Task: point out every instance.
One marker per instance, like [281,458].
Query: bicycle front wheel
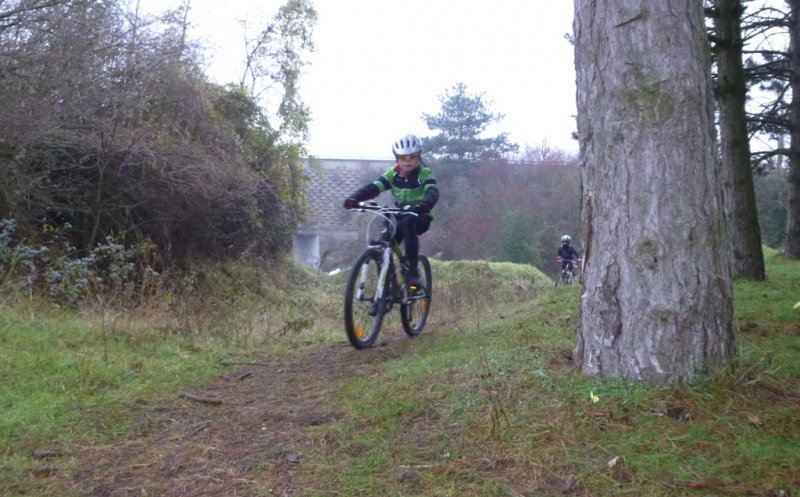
[363,311]
[414,311]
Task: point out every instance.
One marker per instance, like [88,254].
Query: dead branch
[204,400]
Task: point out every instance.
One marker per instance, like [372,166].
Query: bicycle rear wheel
[414,311]
[363,313]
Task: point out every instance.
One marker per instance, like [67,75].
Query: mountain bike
[567,274]
[375,284]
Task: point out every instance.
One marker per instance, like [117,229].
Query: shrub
[62,275]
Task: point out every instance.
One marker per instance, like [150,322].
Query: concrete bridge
[330,238]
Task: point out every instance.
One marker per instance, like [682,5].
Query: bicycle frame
[386,257]
[387,246]
[567,273]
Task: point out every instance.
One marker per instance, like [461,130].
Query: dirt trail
[191,445]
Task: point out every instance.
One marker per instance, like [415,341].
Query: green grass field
[487,405]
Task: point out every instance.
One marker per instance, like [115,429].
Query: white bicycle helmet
[566,239]
[407,145]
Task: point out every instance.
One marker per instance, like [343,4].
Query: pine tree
[461,121]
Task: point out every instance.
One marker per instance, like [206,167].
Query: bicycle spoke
[414,312]
[363,314]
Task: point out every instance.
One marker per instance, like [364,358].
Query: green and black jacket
[419,186]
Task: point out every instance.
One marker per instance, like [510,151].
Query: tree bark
[656,304]
[792,248]
[744,234]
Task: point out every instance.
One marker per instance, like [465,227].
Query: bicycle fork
[362,278]
[386,259]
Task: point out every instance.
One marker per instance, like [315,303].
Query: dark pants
[409,228]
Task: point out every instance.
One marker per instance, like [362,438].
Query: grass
[54,366]
[68,377]
[498,411]
[487,405]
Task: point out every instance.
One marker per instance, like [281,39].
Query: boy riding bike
[413,187]
[567,253]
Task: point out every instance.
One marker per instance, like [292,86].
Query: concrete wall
[331,237]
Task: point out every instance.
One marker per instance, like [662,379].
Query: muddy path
[243,434]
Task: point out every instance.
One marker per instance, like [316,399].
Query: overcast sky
[378,66]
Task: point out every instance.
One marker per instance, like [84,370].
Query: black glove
[421,208]
[350,202]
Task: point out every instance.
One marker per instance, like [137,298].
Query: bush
[60,274]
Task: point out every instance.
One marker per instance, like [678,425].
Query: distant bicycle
[567,274]
[375,284]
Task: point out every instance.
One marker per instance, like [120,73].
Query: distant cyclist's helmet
[566,239]
[407,145]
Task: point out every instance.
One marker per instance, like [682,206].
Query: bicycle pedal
[414,291]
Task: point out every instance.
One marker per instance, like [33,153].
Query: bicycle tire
[363,312]
[414,312]
[560,279]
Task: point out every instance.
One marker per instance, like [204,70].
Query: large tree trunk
[657,300]
[792,248]
[744,234]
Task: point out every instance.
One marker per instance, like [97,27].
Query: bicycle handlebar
[369,206]
[389,215]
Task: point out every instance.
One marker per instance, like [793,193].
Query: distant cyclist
[413,186]
[567,253]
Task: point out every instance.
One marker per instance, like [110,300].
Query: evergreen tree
[792,248]
[744,237]
[656,303]
[461,121]
[774,65]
